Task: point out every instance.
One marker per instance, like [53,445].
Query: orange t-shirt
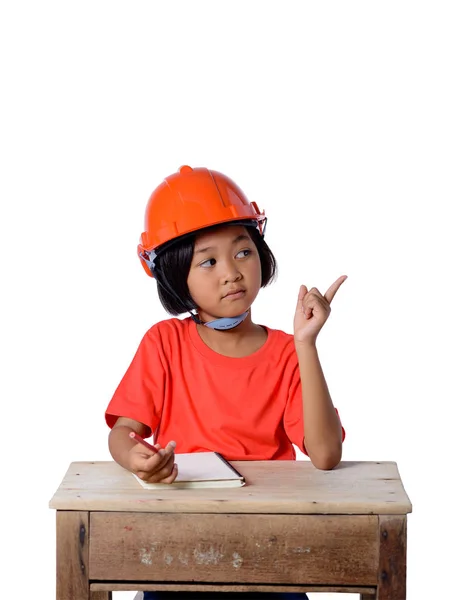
[246,408]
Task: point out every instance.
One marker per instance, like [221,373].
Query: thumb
[302,293]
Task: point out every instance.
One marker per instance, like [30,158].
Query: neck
[229,336]
[241,341]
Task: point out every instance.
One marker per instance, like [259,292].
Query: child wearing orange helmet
[217,381]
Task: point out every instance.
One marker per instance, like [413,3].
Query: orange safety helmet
[187,201]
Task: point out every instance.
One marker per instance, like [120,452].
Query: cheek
[196,284]
[256,272]
[191,284]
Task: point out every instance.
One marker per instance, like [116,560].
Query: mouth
[235,294]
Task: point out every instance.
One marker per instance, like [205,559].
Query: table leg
[392,558]
[72,556]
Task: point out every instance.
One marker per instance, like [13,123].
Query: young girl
[217,381]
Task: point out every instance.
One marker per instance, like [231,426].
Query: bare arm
[322,428]
[120,444]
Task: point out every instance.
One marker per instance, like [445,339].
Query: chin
[233,311]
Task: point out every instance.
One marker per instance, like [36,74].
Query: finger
[165,472]
[303,291]
[167,455]
[314,300]
[329,295]
[173,475]
[152,462]
[314,297]
[158,474]
[167,477]
[315,292]
[164,458]
[143,450]
[141,455]
[145,464]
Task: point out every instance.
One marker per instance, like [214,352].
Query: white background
[336,117]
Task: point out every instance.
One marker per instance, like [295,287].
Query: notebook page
[202,466]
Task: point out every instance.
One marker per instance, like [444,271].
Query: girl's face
[225,274]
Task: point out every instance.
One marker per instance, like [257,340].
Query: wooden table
[291,528]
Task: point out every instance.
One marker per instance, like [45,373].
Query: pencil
[139,439]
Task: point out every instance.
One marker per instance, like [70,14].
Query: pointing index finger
[329,295]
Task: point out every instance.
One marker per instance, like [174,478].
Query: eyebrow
[240,238]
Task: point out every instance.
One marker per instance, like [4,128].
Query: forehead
[222,235]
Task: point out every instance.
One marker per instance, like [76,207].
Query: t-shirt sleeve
[293,420]
[140,394]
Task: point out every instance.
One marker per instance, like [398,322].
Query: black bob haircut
[172,266]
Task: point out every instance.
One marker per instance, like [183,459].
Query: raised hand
[312,311]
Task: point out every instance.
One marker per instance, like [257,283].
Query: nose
[231,272]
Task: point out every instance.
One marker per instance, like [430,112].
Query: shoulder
[167,333]
[280,337]
[281,343]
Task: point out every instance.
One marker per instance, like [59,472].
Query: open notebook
[200,470]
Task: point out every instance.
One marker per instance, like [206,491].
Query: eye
[208,263]
[243,253]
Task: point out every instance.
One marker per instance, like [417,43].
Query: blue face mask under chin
[226,322]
